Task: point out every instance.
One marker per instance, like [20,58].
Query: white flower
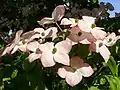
[73,73]
[98,33]
[57,14]
[86,23]
[100,47]
[14,45]
[57,53]
[36,52]
[71,21]
[111,39]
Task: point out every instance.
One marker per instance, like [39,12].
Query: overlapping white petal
[73,74]
[111,39]
[34,56]
[47,59]
[58,53]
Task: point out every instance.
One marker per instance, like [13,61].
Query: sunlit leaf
[93,88]
[14,74]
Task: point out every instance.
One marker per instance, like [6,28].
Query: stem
[59,27]
[98,72]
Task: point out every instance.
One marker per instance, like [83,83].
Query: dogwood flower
[53,32]
[86,23]
[76,35]
[24,40]
[100,47]
[20,42]
[36,52]
[40,33]
[58,53]
[71,21]
[13,47]
[98,33]
[73,73]
[111,39]
[57,14]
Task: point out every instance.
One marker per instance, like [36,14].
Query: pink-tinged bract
[57,53]
[58,12]
[99,47]
[46,20]
[86,23]
[65,21]
[111,39]
[47,62]
[13,47]
[33,56]
[76,35]
[98,33]
[73,73]
[33,46]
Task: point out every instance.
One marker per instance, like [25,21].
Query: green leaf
[27,66]
[1,75]
[21,82]
[117,82]
[6,79]
[117,49]
[82,50]
[35,76]
[112,65]
[14,74]
[2,86]
[102,81]
[40,87]
[94,1]
[114,82]
[93,88]
[117,67]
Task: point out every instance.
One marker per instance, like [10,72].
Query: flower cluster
[53,51]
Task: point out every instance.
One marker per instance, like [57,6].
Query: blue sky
[116,4]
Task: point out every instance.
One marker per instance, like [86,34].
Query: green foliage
[23,14]
[114,82]
[110,24]
[94,1]
[93,88]
[112,65]
[80,50]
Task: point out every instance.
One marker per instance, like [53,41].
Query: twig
[59,27]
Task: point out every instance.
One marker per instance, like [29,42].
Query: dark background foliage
[23,14]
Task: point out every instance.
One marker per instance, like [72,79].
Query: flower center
[93,26]
[110,39]
[54,50]
[100,44]
[76,20]
[23,41]
[43,34]
[74,69]
[38,51]
[79,33]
